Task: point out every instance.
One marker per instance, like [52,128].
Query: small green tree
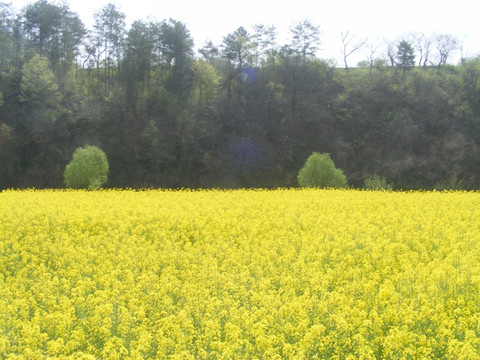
[87,170]
[320,171]
[376,182]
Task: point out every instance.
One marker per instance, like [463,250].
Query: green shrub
[320,171]
[376,182]
[87,170]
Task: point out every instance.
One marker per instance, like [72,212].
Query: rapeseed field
[244,274]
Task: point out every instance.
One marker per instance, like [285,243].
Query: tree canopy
[88,168]
[320,171]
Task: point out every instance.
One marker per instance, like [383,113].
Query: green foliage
[305,38]
[450,183]
[54,32]
[320,171]
[405,55]
[87,170]
[38,85]
[6,133]
[376,182]
[206,80]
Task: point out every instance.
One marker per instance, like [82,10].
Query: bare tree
[423,44]
[350,45]
[461,48]
[445,44]
[372,47]
[392,53]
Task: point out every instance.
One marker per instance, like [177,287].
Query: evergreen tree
[405,56]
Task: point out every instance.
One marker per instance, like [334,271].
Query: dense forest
[243,113]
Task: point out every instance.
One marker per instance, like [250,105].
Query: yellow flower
[286,273]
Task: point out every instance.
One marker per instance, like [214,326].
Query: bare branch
[350,45]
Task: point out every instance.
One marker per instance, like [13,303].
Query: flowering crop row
[246,274]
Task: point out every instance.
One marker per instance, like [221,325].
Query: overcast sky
[375,19]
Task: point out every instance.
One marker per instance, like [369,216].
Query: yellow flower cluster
[245,274]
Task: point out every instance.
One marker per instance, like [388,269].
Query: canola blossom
[244,274]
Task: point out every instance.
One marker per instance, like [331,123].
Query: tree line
[243,113]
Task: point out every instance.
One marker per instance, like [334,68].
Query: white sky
[375,19]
